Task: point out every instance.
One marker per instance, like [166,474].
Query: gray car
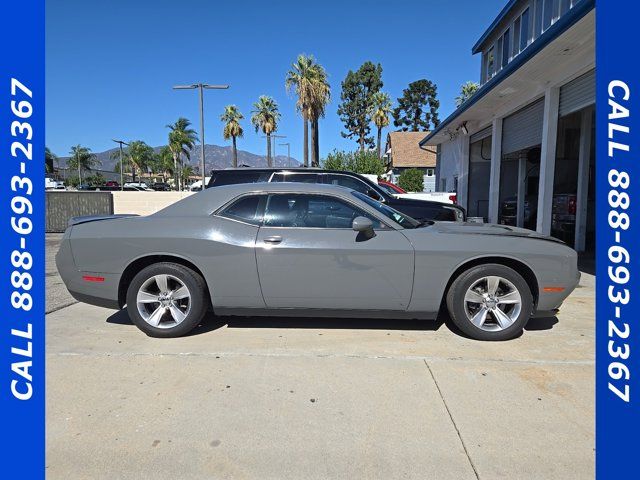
[311,250]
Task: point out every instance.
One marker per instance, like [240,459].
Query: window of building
[499,54]
[516,37]
[524,30]
[565,5]
[505,48]
[547,14]
[491,63]
[537,21]
[430,172]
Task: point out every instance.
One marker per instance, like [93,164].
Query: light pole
[120,142]
[288,145]
[201,87]
[273,153]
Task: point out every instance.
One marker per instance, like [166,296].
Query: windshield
[400,218]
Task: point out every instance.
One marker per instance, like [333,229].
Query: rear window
[233,177]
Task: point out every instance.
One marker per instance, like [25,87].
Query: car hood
[488,229]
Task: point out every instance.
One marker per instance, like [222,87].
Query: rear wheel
[166,300]
[490,302]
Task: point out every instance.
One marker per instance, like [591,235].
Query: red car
[112,183]
[389,187]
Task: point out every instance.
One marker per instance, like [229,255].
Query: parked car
[161,187]
[418,209]
[51,184]
[137,184]
[308,250]
[390,188]
[111,183]
[509,211]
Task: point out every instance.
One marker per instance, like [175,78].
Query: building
[521,150]
[402,151]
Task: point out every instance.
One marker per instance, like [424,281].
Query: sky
[111,65]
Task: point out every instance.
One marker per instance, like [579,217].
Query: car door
[308,256]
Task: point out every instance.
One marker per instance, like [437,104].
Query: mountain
[217,157]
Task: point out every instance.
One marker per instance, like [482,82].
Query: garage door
[578,94]
[523,129]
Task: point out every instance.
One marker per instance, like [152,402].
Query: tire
[474,308]
[180,303]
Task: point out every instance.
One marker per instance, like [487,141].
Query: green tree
[182,139]
[418,107]
[265,117]
[232,128]
[366,162]
[354,110]
[140,156]
[162,163]
[82,159]
[467,90]
[49,159]
[380,108]
[309,80]
[411,180]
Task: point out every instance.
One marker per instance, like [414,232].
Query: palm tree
[466,92]
[140,156]
[309,80]
[380,110]
[181,140]
[163,163]
[265,117]
[232,128]
[82,159]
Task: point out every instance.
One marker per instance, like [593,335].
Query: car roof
[282,169]
[207,201]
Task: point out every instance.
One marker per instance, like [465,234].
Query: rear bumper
[95,288]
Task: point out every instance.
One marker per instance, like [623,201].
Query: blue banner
[618,224]
[22,332]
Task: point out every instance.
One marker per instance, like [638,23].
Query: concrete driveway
[251,398]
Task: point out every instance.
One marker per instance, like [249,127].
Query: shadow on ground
[212,322]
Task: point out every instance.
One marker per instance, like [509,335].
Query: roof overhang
[568,45]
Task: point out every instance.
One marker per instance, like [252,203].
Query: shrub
[359,162]
[411,180]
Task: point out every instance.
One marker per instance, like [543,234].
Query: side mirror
[364,227]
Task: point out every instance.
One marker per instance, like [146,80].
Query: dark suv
[421,210]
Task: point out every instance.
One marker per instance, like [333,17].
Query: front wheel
[166,300]
[490,302]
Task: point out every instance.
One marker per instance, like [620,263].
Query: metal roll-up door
[481,135]
[578,94]
[523,129]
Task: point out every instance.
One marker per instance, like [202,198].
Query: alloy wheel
[163,301]
[492,303]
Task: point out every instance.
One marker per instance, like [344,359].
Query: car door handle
[273,239]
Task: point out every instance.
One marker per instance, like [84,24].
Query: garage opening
[479,174]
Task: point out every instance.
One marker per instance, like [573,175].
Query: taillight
[571,207]
[453,198]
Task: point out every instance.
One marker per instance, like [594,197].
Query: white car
[136,184]
[51,184]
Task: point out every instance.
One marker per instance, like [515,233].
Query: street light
[273,135]
[201,87]
[120,142]
[288,145]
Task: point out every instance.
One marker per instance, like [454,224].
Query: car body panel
[400,271]
[330,268]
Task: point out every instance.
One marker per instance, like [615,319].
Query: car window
[387,189]
[400,218]
[352,183]
[245,209]
[234,177]
[312,211]
[295,177]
